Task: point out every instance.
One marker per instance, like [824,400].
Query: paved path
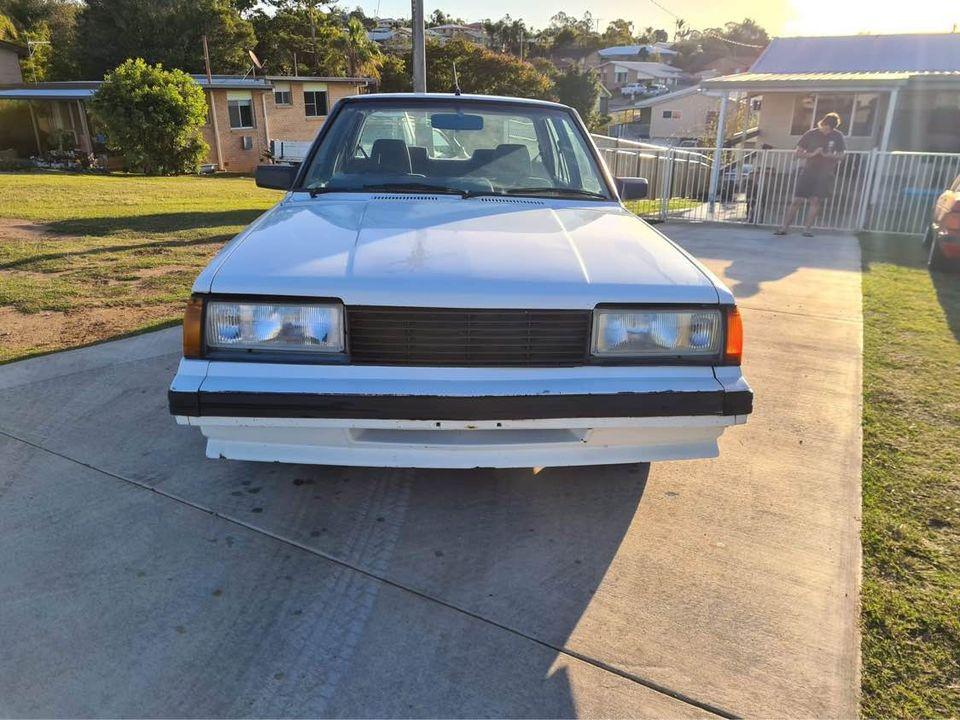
[138,578]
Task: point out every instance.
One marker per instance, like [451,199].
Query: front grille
[442,336]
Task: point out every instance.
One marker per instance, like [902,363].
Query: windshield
[464,147]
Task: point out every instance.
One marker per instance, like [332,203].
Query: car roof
[453,98]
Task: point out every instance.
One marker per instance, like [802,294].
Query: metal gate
[879,191]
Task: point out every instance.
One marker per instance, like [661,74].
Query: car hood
[445,251]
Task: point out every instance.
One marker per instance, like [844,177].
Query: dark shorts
[814,184]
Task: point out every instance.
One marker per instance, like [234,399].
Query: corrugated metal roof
[234,82]
[634,50]
[930,52]
[786,81]
[76,93]
[319,78]
[650,69]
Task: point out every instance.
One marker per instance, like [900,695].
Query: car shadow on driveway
[395,591]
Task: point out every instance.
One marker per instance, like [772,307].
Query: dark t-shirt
[831,143]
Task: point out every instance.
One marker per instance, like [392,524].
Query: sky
[780,17]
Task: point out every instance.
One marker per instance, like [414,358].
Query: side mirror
[275,177]
[631,188]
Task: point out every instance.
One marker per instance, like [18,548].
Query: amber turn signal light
[733,352]
[193,328]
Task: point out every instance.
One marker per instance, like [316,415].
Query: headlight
[274,327]
[657,333]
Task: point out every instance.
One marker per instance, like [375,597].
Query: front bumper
[458,417]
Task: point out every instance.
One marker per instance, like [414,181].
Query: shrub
[152,117]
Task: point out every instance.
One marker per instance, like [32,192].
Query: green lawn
[911,484]
[652,206]
[104,255]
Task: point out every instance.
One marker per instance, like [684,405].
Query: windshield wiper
[314,191]
[575,192]
[415,187]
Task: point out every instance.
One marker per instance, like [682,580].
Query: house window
[864,115]
[671,114]
[620,76]
[315,99]
[842,105]
[802,114]
[282,94]
[240,109]
[858,112]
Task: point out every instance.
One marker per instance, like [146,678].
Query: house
[685,114]
[396,37]
[473,32]
[656,52]
[615,74]
[10,54]
[892,92]
[244,114]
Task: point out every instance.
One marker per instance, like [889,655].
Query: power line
[704,32]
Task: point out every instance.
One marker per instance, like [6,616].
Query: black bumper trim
[432,407]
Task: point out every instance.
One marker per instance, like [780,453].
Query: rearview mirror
[275,177]
[631,188]
[456,121]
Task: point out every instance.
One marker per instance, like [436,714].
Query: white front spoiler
[463,444]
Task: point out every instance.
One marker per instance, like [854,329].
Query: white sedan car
[402,308]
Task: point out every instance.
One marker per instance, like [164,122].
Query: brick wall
[290,122]
[282,122]
[235,158]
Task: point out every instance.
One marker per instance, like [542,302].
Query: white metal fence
[886,192]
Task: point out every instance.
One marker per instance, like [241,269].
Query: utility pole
[419,51]
[213,107]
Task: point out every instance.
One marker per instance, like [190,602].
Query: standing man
[822,149]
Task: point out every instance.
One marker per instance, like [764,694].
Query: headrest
[391,156]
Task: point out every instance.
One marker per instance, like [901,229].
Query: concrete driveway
[139,579]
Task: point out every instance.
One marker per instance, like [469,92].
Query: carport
[56,107]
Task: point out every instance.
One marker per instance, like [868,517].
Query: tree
[483,71]
[362,55]
[439,17]
[323,43]
[153,117]
[395,74]
[163,31]
[8,31]
[618,32]
[579,89]
[507,34]
[51,26]
[741,41]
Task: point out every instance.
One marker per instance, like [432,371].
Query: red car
[943,235]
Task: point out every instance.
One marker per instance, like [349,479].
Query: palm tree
[362,54]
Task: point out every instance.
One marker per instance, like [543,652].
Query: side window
[282,94]
[520,131]
[802,114]
[240,109]
[573,165]
[561,171]
[315,99]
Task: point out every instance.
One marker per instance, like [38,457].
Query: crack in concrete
[599,664]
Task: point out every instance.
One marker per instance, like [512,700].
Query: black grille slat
[444,336]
